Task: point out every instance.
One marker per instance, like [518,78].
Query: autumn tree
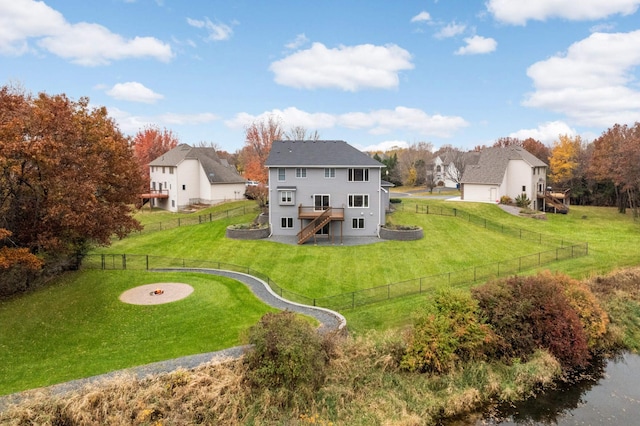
[300,133]
[412,163]
[507,141]
[149,144]
[455,161]
[616,156]
[259,137]
[68,176]
[563,161]
[537,148]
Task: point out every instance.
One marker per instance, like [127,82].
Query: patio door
[320,202]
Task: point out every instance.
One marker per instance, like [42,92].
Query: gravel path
[328,319]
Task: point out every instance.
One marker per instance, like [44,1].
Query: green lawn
[77,327]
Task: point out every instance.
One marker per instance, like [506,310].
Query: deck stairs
[558,206]
[314,226]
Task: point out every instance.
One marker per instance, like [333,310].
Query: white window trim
[292,197]
[365,174]
[365,201]
[284,174]
[301,172]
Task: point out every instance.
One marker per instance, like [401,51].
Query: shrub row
[509,320]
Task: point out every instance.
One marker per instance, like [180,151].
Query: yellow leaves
[564,158]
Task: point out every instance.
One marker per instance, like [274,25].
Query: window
[357,223]
[286,222]
[358,175]
[184,187]
[301,172]
[359,200]
[173,203]
[330,173]
[281,174]
[170,170]
[320,202]
[162,169]
[524,188]
[439,169]
[286,197]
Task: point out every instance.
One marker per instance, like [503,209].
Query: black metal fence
[353,299]
[519,233]
[196,220]
[147,262]
[562,250]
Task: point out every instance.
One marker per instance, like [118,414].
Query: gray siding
[338,189]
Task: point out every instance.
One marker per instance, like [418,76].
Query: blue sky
[375,73]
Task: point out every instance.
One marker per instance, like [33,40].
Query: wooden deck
[155,194]
[310,212]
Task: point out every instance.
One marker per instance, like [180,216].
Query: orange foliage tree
[149,144]
[616,158]
[259,137]
[68,177]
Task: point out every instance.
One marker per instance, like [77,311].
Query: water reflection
[611,395]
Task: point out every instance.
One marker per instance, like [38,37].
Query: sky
[375,73]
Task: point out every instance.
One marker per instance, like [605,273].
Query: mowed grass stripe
[78,327]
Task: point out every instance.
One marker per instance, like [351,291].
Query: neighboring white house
[324,188]
[509,171]
[445,167]
[188,175]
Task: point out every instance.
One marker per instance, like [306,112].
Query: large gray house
[324,188]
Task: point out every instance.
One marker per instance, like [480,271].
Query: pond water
[611,396]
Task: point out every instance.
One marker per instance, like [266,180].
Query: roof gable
[318,153]
[492,164]
[216,170]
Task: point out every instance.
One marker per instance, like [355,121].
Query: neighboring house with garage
[505,171]
[189,175]
[325,188]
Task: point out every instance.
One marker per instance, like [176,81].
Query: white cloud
[421,17]
[180,119]
[131,123]
[134,92]
[82,43]
[291,116]
[519,12]
[593,83]
[375,122]
[299,41]
[477,45]
[349,68]
[450,30]
[384,146]
[217,31]
[546,133]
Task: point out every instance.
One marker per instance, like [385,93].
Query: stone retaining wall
[401,234]
[247,234]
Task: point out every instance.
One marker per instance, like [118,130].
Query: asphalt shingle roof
[319,153]
[492,164]
[217,170]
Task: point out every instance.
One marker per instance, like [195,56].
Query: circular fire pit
[156,294]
